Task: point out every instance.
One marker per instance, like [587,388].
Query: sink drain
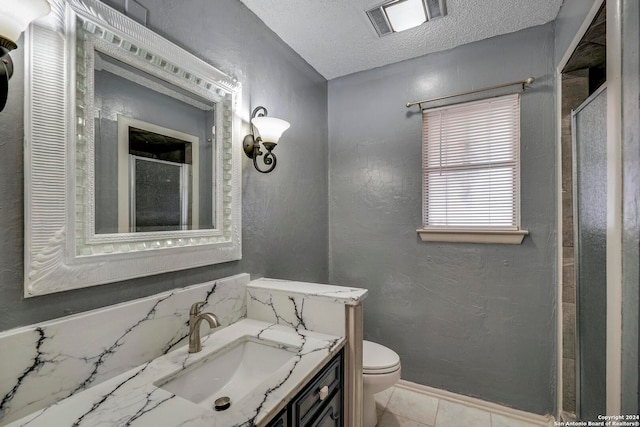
[222,403]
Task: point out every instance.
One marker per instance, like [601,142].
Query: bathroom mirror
[153,158]
[132,153]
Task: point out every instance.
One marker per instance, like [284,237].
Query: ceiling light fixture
[399,15]
[15,17]
[269,130]
[405,14]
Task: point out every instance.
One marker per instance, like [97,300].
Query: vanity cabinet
[331,416]
[281,420]
[319,404]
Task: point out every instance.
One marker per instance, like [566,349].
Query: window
[471,172]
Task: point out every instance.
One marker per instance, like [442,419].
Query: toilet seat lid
[378,359]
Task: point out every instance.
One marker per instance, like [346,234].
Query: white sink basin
[233,372]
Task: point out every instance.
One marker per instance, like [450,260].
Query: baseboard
[538,420]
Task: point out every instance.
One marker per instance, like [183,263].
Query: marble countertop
[131,399]
[337,294]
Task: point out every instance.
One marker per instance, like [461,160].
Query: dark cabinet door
[319,404]
[313,398]
[331,416]
[281,420]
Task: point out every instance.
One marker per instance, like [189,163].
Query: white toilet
[381,370]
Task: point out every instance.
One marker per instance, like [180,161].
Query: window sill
[508,237]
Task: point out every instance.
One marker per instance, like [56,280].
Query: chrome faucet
[194,325]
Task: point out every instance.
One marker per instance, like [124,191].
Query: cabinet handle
[323,392]
[334,417]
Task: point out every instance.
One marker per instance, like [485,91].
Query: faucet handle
[195,308]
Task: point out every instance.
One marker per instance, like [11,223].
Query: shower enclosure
[589,124]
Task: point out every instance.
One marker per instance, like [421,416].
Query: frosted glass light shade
[270,128]
[405,14]
[16,15]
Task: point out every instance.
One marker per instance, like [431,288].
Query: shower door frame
[614,202]
[576,234]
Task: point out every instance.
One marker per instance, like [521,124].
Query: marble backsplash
[301,305]
[47,362]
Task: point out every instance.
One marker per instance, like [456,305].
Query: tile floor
[399,407]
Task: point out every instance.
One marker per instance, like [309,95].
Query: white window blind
[471,165]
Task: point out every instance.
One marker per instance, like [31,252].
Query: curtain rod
[524,84]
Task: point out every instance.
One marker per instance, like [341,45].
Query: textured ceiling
[337,38]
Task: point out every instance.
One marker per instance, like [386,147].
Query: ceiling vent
[399,15]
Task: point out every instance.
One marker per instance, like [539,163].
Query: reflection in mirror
[159,182]
[154,153]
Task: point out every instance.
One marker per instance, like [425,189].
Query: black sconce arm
[251,145]
[6,71]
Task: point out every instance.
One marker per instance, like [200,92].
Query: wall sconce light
[269,130]
[15,17]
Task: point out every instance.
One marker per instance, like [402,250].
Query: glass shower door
[159,195]
[590,222]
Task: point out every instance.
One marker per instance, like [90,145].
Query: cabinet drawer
[281,420]
[331,416]
[308,404]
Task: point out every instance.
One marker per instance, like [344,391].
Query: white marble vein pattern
[132,399]
[296,311]
[48,362]
[314,291]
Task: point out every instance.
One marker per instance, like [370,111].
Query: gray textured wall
[284,213]
[473,319]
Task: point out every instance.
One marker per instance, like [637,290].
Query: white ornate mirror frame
[62,249]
